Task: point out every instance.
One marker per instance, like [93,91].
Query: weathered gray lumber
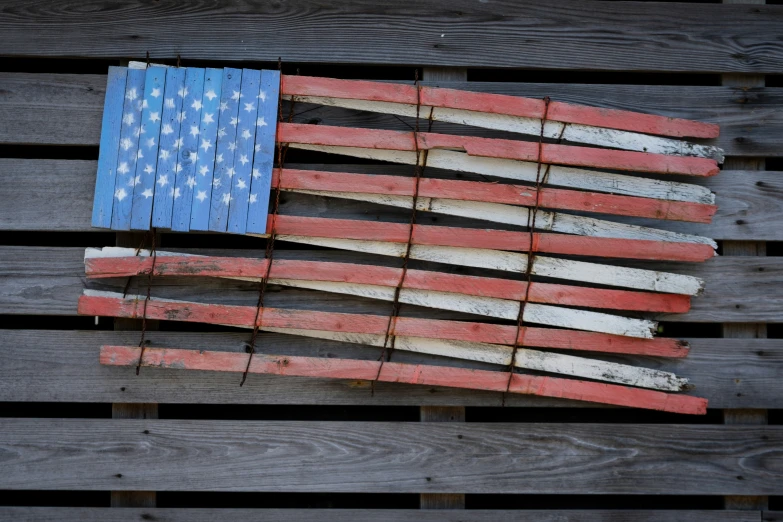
[54,366]
[49,280]
[602,36]
[383,457]
[60,514]
[65,109]
[56,195]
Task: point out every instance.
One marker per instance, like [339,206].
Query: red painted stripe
[496,193]
[497,148]
[429,375]
[244,316]
[498,104]
[386,276]
[492,239]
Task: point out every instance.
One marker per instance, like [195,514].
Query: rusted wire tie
[421,164]
[150,274]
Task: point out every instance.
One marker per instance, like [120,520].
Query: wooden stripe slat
[404,373]
[264,157]
[245,148]
[107,155]
[224,153]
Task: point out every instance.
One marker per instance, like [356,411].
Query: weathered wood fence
[78,440]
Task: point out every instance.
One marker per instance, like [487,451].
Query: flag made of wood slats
[186,149]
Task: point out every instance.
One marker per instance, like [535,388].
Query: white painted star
[196,105]
[155,92]
[232,146]
[219,158]
[131,94]
[134,180]
[216,182]
[167,129]
[241,184]
[205,144]
[230,172]
[139,155]
[201,195]
[246,134]
[147,193]
[178,167]
[204,170]
[128,118]
[223,106]
[126,143]
[262,96]
[236,95]
[257,147]
[138,130]
[194,130]
[191,182]
[193,156]
[261,122]
[148,169]
[144,104]
[120,194]
[174,192]
[243,159]
[211,95]
[178,143]
[250,107]
[164,154]
[163,180]
[208,117]
[154,116]
[181,116]
[123,168]
[256,173]
[235,121]
[182,92]
[150,143]
[221,132]
[226,199]
[169,102]
[252,199]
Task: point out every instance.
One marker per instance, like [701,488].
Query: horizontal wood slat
[314,456]
[47,365]
[604,36]
[49,280]
[87,514]
[65,109]
[56,195]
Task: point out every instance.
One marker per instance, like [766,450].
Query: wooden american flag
[193,149]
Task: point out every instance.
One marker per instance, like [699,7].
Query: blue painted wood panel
[130,131]
[188,154]
[243,155]
[170,144]
[202,195]
[107,155]
[266,128]
[226,146]
[147,158]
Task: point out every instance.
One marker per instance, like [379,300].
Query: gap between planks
[442,413]
[744,248]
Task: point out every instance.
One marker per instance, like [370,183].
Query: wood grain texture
[56,195]
[61,514]
[49,280]
[729,373]
[631,37]
[66,109]
[316,456]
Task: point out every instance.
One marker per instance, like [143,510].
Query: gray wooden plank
[65,109]
[56,195]
[87,514]
[601,35]
[55,366]
[49,280]
[383,457]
